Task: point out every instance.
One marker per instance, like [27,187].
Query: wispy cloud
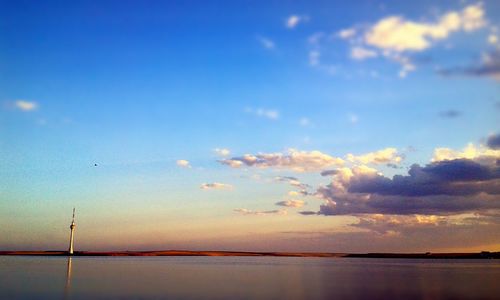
[305,122]
[270,114]
[295,160]
[291,203]
[25,105]
[294,20]
[493,39]
[360,53]
[346,33]
[246,212]
[222,151]
[267,43]
[450,114]
[216,186]
[308,213]
[314,57]
[488,66]
[183,163]
[353,118]
[296,183]
[315,38]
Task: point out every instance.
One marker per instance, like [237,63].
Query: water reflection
[68,278]
[245,278]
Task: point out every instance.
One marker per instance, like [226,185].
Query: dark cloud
[431,205]
[286,178]
[489,66]
[308,213]
[295,182]
[450,114]
[494,141]
[328,172]
[393,166]
[450,177]
[439,188]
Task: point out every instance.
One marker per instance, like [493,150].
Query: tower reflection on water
[67,287]
[70,253]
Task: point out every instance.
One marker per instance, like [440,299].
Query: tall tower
[72,227]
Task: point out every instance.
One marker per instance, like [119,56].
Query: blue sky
[135,87]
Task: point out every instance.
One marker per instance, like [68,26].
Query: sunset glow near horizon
[357,126]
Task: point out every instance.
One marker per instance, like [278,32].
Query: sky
[339,126]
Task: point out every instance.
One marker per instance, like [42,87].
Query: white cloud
[245,212]
[314,56]
[295,160]
[360,53]
[393,37]
[397,34]
[315,38]
[473,17]
[266,42]
[304,122]
[294,20]
[347,33]
[233,163]
[222,151]
[353,118]
[480,154]
[342,177]
[492,39]
[270,114]
[493,36]
[291,203]
[384,156]
[406,65]
[183,163]
[216,186]
[26,105]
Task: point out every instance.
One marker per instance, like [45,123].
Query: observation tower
[72,227]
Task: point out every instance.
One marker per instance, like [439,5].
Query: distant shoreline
[479,255]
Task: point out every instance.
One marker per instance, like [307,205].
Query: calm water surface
[24,277]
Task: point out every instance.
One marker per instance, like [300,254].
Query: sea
[46,277]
